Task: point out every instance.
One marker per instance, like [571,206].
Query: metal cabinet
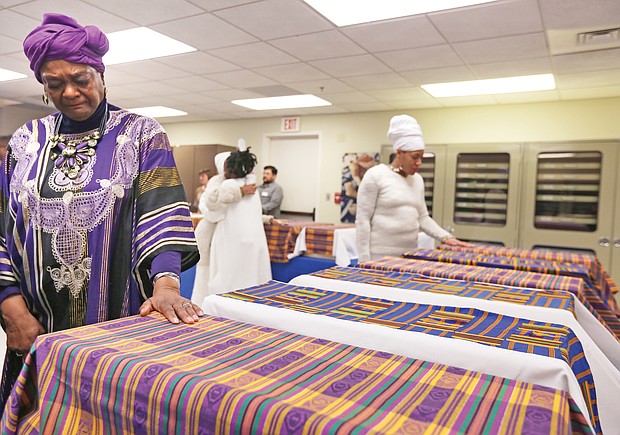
[568,197]
[482,192]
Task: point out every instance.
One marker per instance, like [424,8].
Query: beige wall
[549,122]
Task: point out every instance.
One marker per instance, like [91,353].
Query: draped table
[531,351]
[145,375]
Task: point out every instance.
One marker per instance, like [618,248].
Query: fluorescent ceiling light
[347,12]
[157,111]
[141,43]
[7,75]
[285,102]
[506,85]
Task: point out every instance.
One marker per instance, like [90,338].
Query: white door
[482,191]
[297,160]
[569,197]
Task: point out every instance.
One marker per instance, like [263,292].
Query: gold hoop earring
[45,98]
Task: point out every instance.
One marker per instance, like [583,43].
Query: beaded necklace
[70,156]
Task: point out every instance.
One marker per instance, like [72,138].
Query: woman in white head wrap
[391,208]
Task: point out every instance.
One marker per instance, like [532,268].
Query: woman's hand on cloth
[22,328]
[167,300]
[453,241]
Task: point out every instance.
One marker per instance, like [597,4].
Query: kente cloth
[320,239]
[459,323]
[494,275]
[597,271]
[223,376]
[602,302]
[281,238]
[558,299]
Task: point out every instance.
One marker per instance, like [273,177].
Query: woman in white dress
[239,256]
[206,227]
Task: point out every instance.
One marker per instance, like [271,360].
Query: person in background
[213,211]
[270,192]
[239,255]
[391,208]
[203,179]
[94,222]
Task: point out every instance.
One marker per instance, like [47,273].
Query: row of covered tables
[482,340]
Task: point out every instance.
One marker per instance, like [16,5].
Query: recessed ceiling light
[284,102]
[347,12]
[506,85]
[141,43]
[157,111]
[8,75]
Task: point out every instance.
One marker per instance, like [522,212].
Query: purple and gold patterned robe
[79,251]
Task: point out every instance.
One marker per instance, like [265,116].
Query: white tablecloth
[531,368]
[345,245]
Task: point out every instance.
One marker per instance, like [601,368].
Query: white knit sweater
[390,212]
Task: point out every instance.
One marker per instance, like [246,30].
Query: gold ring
[186,304]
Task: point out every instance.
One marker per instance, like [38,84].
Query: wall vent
[598,37]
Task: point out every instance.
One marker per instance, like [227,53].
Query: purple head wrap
[61,37]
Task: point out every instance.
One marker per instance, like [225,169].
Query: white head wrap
[219,161]
[405,133]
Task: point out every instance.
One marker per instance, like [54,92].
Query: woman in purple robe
[94,220]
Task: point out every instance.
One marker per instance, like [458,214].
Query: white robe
[239,254]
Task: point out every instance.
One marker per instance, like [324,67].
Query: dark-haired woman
[239,254]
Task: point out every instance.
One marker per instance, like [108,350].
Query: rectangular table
[595,268]
[144,375]
[495,275]
[501,345]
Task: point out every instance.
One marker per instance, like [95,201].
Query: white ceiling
[250,48]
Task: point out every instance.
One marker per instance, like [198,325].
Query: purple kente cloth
[61,37]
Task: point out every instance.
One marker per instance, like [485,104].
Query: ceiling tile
[561,14]
[151,69]
[349,66]
[153,12]
[438,75]
[502,49]
[587,61]
[420,58]
[318,86]
[490,20]
[295,72]
[254,55]
[376,81]
[271,19]
[324,45]
[194,84]
[524,67]
[84,13]
[242,79]
[410,32]
[198,63]
[204,32]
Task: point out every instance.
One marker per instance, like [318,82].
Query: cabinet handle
[617,243]
[603,241]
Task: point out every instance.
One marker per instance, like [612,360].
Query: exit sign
[292,123]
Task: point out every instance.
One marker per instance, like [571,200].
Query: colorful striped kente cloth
[599,301]
[470,324]
[320,239]
[495,275]
[558,299]
[596,270]
[144,375]
[281,237]
[281,240]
